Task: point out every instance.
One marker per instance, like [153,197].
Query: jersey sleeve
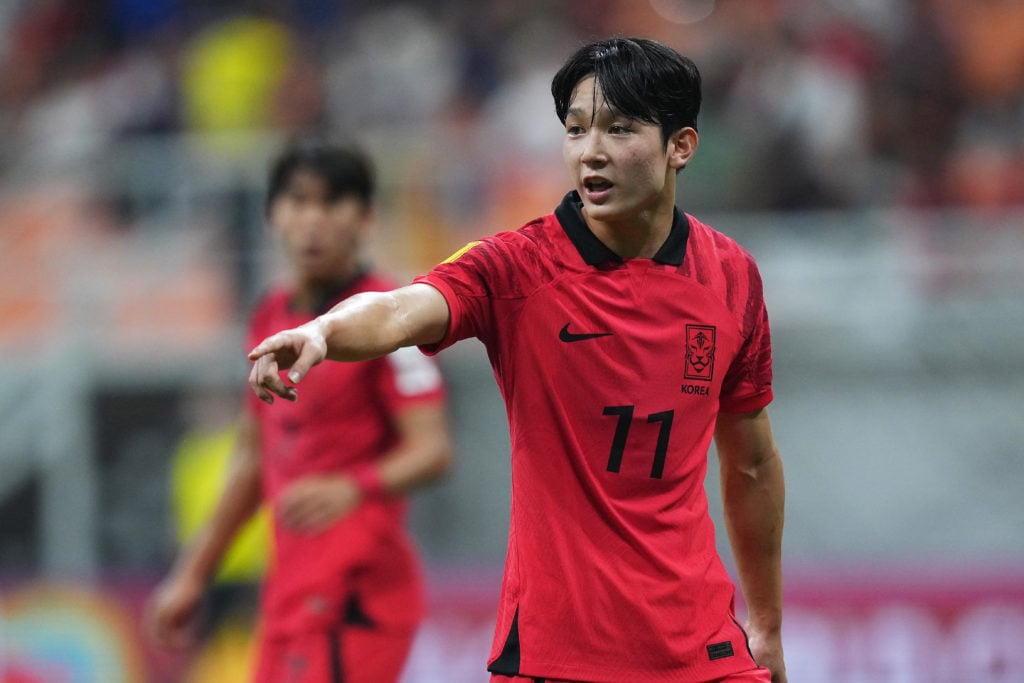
[748,382]
[468,280]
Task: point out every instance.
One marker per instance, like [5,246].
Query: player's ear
[681,147]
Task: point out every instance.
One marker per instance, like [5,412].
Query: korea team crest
[700,352]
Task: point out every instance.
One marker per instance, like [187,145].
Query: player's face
[621,166]
[321,235]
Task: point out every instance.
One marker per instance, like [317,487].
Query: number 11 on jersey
[625,415]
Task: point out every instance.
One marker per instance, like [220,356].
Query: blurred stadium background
[870,153]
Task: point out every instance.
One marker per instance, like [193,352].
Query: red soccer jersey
[613,372]
[344,418]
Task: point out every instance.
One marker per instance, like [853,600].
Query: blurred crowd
[808,104]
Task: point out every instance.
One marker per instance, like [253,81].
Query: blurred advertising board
[878,628]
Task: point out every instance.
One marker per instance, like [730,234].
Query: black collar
[594,252]
[331,293]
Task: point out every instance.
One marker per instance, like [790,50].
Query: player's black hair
[346,169]
[640,78]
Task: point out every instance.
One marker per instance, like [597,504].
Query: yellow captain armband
[460,252]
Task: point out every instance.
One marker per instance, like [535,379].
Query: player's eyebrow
[580,113]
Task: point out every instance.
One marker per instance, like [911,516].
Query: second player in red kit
[344,594]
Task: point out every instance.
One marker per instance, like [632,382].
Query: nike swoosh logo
[565,335]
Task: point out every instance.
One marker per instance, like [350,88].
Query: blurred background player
[344,592]
[624,335]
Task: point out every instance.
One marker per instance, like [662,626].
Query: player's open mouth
[596,190]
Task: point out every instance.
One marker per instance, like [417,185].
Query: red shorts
[758,675]
[349,654]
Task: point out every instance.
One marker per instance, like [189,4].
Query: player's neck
[640,236]
[315,295]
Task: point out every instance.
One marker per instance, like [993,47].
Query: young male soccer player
[624,335]
[344,594]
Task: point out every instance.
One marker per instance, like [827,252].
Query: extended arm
[175,602]
[364,326]
[753,495]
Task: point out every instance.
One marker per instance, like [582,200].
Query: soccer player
[344,594]
[624,335]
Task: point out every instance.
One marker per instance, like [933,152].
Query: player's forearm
[405,470]
[373,324]
[361,327]
[754,503]
[422,455]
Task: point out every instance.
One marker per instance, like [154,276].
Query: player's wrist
[767,630]
[368,480]
[190,578]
